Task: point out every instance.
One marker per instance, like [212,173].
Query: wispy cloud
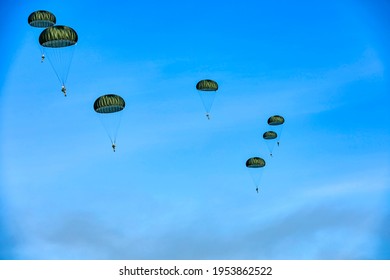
[313,224]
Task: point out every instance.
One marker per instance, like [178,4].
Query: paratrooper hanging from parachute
[207,90]
[41,19]
[59,41]
[109,107]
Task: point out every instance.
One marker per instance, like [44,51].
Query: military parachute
[41,19]
[270,138]
[109,107]
[59,42]
[207,91]
[255,166]
[38,20]
[276,122]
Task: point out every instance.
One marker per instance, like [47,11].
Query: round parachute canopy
[207,85]
[58,36]
[255,162]
[269,135]
[41,19]
[109,103]
[276,120]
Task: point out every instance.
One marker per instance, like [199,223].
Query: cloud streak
[315,224]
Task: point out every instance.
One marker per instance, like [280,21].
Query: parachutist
[208,116]
[278,143]
[257,190]
[63,89]
[270,154]
[113,147]
[42,58]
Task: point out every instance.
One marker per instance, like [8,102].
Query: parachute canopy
[41,19]
[207,85]
[269,135]
[255,162]
[276,120]
[109,103]
[58,36]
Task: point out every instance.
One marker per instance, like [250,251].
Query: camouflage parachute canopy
[109,103]
[58,36]
[255,162]
[269,135]
[41,19]
[276,120]
[207,85]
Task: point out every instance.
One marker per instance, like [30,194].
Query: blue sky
[177,186]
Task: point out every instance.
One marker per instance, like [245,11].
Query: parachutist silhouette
[63,89]
[208,116]
[257,189]
[113,147]
[278,143]
[42,58]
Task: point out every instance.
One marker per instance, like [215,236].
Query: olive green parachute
[207,91]
[270,135]
[271,138]
[255,162]
[109,108]
[59,42]
[41,19]
[58,36]
[276,120]
[255,167]
[109,103]
[207,85]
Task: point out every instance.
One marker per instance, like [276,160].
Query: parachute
[59,42]
[41,19]
[255,162]
[207,91]
[276,122]
[255,166]
[110,108]
[270,137]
